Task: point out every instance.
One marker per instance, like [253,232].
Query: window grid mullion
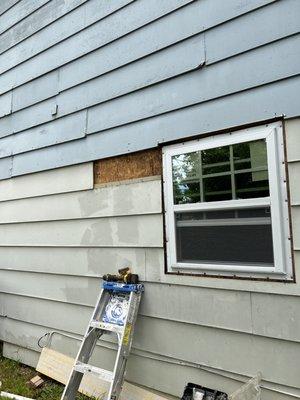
[232,172]
[201,178]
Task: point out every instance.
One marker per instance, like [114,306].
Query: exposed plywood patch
[130,166]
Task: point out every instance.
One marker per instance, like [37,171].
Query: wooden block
[58,367]
[36,382]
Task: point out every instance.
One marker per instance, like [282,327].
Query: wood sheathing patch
[129,166]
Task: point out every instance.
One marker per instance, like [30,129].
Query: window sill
[230,272]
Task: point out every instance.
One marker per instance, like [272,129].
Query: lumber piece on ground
[14,396]
[36,382]
[58,366]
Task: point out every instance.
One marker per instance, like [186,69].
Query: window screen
[230,237]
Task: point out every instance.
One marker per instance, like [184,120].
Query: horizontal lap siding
[253,105]
[6,5]
[124,76]
[231,76]
[101,202]
[135,231]
[64,180]
[42,17]
[83,77]
[165,338]
[229,310]
[19,12]
[92,37]
[76,21]
[177,323]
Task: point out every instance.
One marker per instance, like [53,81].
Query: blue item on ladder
[123,287]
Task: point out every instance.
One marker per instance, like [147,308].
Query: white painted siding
[63,180]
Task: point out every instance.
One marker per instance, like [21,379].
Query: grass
[15,377]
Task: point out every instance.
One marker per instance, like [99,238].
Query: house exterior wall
[58,238]
[83,80]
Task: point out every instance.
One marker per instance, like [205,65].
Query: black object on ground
[195,392]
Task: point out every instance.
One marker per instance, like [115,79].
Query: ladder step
[107,327]
[99,372]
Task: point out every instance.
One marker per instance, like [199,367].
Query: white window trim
[282,268]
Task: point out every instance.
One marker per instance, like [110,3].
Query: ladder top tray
[122,287]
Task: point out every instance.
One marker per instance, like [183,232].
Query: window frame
[278,202]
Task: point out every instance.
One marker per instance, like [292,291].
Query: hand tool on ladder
[115,313]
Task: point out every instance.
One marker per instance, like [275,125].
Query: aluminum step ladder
[115,313]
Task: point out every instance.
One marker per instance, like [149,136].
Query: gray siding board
[57,54]
[192,19]
[6,5]
[296,226]
[262,103]
[16,353]
[233,75]
[138,44]
[168,338]
[49,134]
[99,34]
[294,179]
[141,198]
[18,12]
[27,118]
[273,22]
[74,261]
[5,168]
[63,180]
[213,347]
[160,66]
[5,104]
[284,323]
[157,34]
[35,91]
[50,12]
[153,37]
[127,231]
[221,309]
[293,143]
[60,30]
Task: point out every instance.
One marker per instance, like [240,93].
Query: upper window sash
[216,141]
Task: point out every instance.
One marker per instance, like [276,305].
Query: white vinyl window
[226,205]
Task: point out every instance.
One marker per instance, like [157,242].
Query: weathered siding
[81,80]
[55,245]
